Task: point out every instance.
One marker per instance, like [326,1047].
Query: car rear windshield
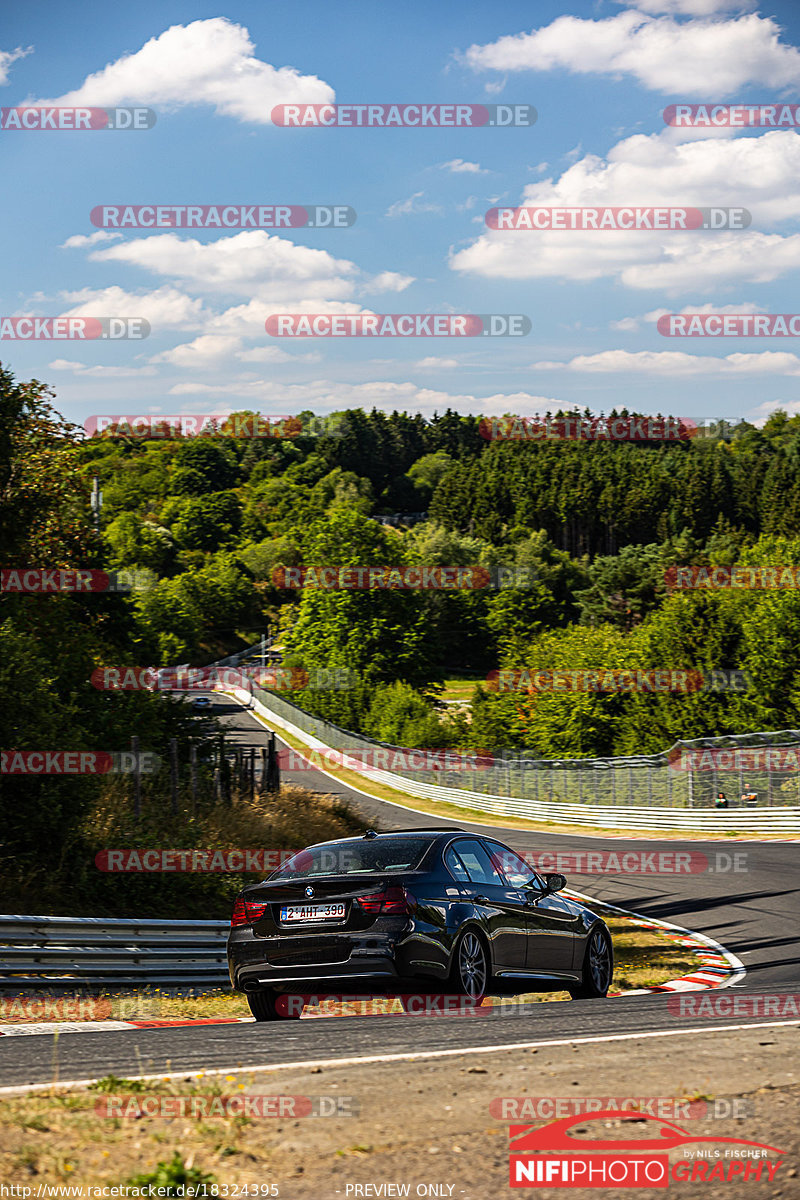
[389,855]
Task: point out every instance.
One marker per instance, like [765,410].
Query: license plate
[312,912]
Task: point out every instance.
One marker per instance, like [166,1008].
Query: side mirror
[555,883]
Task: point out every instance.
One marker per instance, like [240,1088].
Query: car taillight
[247,912]
[393,900]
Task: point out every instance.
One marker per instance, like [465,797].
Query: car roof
[427,831]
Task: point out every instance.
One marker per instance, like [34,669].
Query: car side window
[513,867]
[455,866]
[478,863]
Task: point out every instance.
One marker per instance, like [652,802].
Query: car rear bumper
[271,962]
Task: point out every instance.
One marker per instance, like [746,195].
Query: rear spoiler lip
[358,884]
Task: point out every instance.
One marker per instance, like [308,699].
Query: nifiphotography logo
[551,1156]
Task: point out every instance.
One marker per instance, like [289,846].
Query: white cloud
[323,395]
[626,325]
[459,167]
[80,241]
[759,173]
[7,57]
[438,363]
[99,372]
[165,308]
[247,320]
[273,354]
[206,62]
[252,263]
[630,324]
[764,410]
[689,8]
[215,351]
[676,362]
[387,281]
[695,58]
[208,349]
[414,204]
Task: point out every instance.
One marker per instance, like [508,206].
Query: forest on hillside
[597,526]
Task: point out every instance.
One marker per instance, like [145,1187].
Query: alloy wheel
[600,962]
[472,966]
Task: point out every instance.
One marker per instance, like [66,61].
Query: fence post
[193,775]
[273,769]
[224,773]
[173,775]
[137,779]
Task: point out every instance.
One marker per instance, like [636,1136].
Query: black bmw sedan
[425,905]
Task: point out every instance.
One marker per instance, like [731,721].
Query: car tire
[598,966]
[470,972]
[263,1006]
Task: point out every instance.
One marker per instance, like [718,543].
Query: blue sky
[599,74]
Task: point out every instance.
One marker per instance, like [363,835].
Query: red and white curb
[717,967]
[89,1026]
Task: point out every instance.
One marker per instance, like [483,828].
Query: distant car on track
[201,702]
[425,905]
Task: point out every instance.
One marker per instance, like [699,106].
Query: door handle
[481,899]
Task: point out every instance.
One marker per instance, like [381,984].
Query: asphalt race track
[753,913]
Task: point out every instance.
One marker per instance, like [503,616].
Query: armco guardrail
[87,952]
[593,783]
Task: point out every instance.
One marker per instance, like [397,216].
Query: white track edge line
[406,1056]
